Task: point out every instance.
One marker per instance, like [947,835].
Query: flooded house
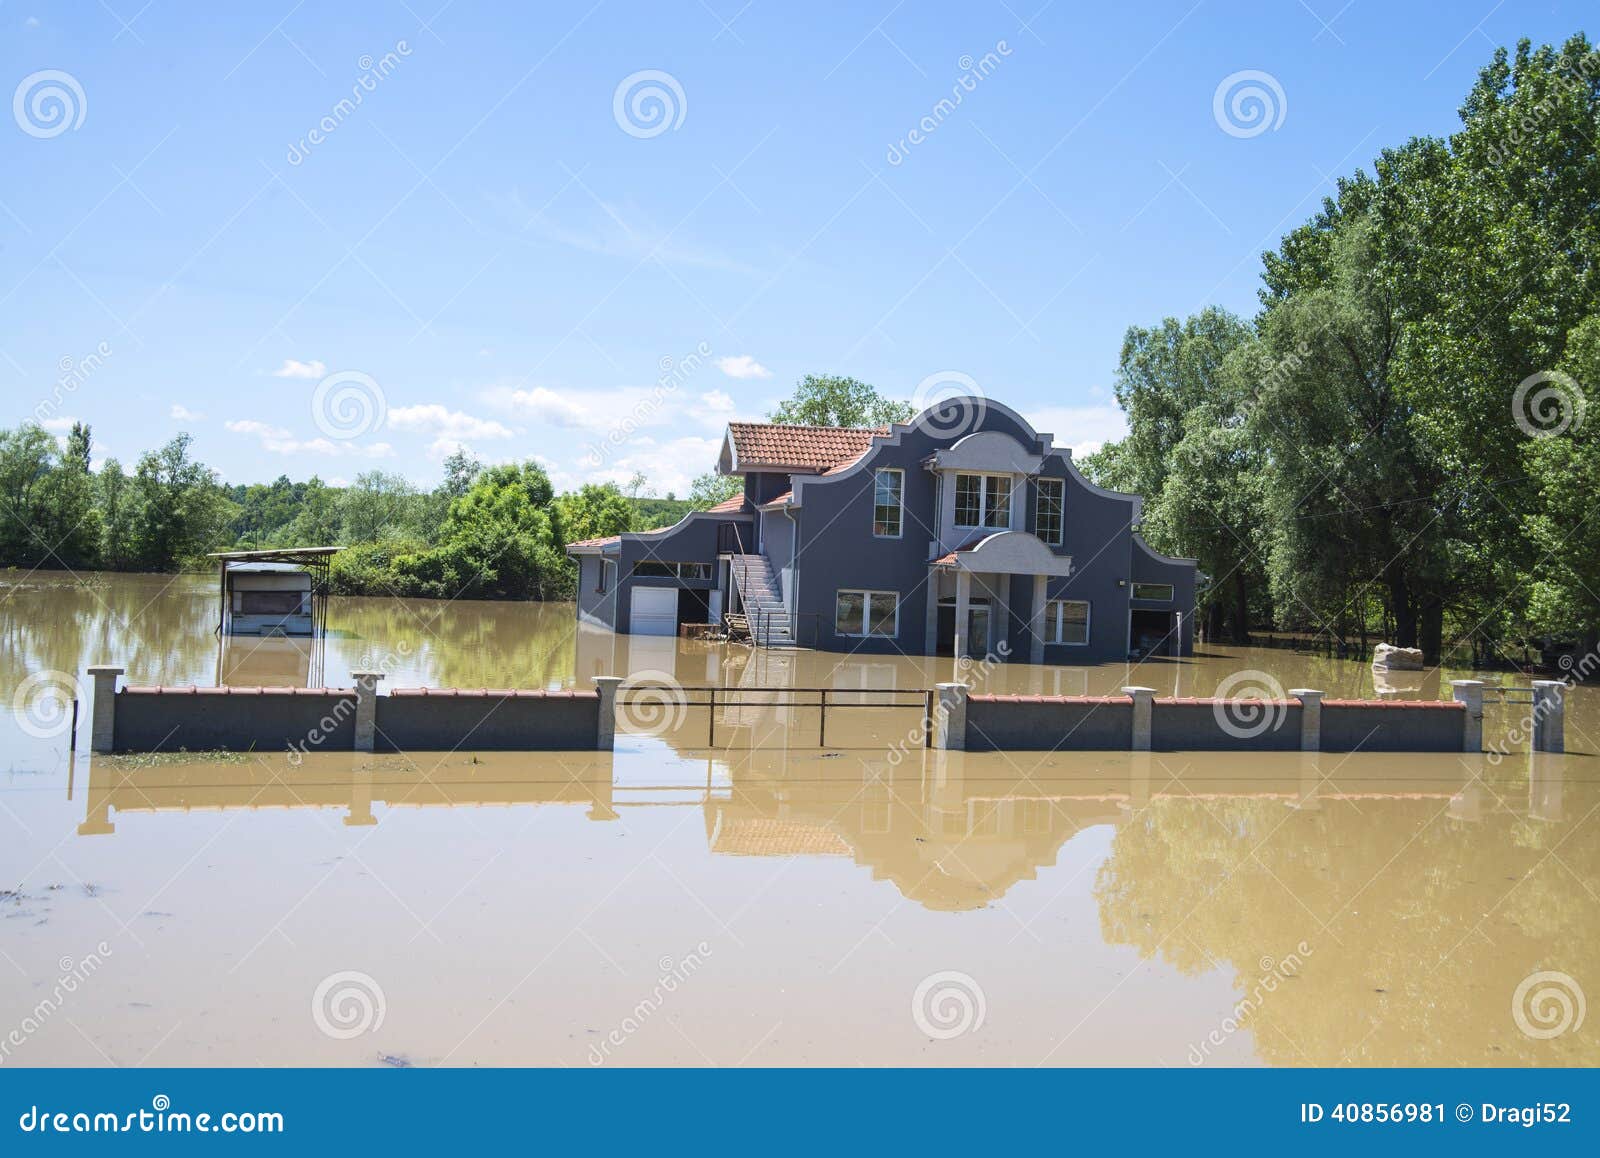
[962,532]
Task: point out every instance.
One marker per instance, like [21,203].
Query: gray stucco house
[945,535]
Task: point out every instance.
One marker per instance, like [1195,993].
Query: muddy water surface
[748,895]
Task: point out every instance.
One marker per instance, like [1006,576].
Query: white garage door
[654,611]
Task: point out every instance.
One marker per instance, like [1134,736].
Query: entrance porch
[971,599]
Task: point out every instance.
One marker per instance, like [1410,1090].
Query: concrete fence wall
[301,720]
[238,719]
[424,719]
[1138,720]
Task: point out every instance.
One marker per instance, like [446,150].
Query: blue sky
[483,246]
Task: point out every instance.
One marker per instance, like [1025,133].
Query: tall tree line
[1405,440]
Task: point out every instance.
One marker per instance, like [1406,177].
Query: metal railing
[822,699]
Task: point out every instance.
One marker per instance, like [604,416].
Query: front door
[977,628]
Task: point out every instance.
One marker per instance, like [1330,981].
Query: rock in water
[1392,658]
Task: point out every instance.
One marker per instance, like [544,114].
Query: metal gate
[649,700]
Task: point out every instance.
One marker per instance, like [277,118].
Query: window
[996,500]
[886,496]
[269,602]
[1047,510]
[867,613]
[659,569]
[600,576]
[1157,591]
[983,500]
[969,500]
[1066,621]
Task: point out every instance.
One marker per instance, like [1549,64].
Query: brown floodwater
[755,897]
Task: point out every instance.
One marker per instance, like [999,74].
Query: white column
[1310,718]
[1036,624]
[366,709]
[1144,703]
[1470,692]
[930,643]
[963,604]
[950,722]
[1549,726]
[103,721]
[606,735]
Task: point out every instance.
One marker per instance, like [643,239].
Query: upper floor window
[1155,591]
[983,500]
[1047,510]
[665,570]
[887,486]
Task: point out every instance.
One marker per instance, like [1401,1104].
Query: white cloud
[183,414]
[670,466]
[716,402]
[294,369]
[742,367]
[281,441]
[545,405]
[432,418]
[60,425]
[1083,428]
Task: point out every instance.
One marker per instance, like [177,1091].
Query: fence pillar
[1144,702]
[366,709]
[1549,712]
[1310,718]
[103,721]
[950,717]
[605,739]
[1470,692]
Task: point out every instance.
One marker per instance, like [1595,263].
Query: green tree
[708,490]
[829,400]
[592,512]
[182,512]
[377,507]
[119,516]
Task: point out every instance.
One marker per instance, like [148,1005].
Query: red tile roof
[604,541]
[727,506]
[770,444]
